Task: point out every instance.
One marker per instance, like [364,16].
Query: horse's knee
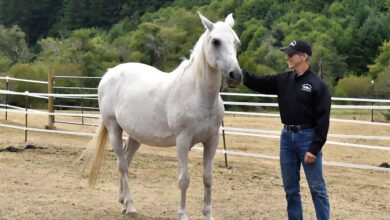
[122,165]
[184,182]
[207,180]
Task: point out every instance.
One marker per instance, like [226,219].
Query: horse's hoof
[130,210]
[183,215]
[132,214]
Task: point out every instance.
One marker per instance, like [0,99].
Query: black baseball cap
[297,46]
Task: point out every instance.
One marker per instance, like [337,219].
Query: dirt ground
[44,183]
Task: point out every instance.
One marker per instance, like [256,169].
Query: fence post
[6,98]
[26,103]
[372,103]
[224,145]
[50,103]
[82,110]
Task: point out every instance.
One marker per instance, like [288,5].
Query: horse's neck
[204,85]
[209,85]
[199,79]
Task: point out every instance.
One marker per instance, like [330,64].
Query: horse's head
[220,49]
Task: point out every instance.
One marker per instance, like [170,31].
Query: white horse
[181,108]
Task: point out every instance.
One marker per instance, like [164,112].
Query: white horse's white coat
[181,108]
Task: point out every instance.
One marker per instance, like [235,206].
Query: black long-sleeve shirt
[302,99]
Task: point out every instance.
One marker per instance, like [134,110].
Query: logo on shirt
[306,87]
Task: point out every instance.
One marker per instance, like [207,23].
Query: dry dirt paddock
[44,183]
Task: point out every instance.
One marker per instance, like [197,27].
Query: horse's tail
[94,152]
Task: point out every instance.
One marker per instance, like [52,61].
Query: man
[304,104]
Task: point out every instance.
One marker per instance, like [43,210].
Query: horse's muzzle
[234,78]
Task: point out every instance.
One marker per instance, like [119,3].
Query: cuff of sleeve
[315,148]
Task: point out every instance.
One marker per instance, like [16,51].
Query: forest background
[350,38]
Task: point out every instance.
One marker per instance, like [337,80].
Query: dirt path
[45,184]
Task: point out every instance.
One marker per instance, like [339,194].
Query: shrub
[354,87]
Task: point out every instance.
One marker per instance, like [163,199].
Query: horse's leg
[210,147]
[115,134]
[130,148]
[182,148]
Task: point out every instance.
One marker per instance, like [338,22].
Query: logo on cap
[293,43]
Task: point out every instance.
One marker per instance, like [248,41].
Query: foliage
[13,44]
[382,62]
[382,88]
[26,71]
[5,63]
[35,19]
[354,87]
[382,84]
[380,72]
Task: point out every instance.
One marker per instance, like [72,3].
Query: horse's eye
[216,42]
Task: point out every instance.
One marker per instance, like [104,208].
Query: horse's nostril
[231,74]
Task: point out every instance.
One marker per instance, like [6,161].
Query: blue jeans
[293,146]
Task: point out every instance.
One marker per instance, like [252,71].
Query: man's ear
[306,56]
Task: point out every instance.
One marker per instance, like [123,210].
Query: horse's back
[131,76]
[132,71]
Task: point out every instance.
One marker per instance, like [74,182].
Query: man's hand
[310,158]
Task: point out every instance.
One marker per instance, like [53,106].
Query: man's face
[295,59]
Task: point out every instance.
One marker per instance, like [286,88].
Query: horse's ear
[206,22]
[229,20]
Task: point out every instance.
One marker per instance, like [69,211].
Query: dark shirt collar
[304,74]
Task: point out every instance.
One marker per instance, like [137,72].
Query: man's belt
[296,128]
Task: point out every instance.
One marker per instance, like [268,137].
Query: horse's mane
[197,57]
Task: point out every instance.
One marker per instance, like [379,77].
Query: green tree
[75,14]
[26,71]
[367,41]
[382,62]
[5,63]
[121,28]
[382,84]
[13,44]
[34,18]
[354,87]
[86,50]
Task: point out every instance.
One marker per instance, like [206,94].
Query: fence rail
[76,107]
[79,77]
[74,88]
[222,93]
